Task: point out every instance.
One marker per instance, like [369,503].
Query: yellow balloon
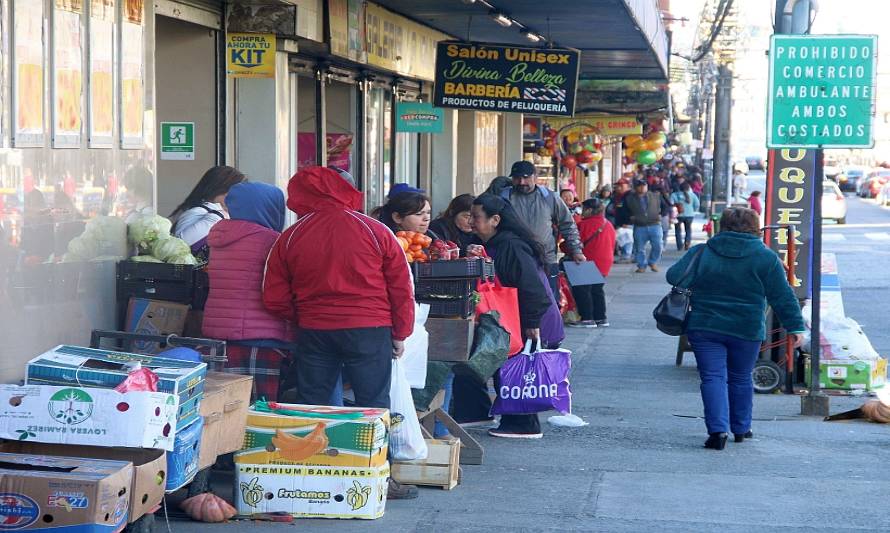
[630,152]
[595,157]
[633,140]
[658,137]
[573,137]
[652,145]
[659,153]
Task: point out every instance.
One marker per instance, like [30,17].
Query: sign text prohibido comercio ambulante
[494,77]
[821,91]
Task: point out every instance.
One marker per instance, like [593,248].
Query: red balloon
[548,144]
[570,162]
[584,156]
[552,133]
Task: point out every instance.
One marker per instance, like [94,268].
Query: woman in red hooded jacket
[343,279]
[234,310]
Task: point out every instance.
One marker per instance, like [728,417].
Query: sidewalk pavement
[640,465]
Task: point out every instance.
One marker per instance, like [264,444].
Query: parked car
[755,162]
[871,185]
[849,179]
[834,205]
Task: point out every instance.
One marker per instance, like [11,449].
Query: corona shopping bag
[533,382]
[504,300]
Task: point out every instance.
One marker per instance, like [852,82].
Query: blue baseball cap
[400,188]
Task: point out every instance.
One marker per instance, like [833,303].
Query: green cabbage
[82,248]
[145,259]
[103,236]
[169,247]
[148,229]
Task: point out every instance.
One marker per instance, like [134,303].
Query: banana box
[292,434]
[308,491]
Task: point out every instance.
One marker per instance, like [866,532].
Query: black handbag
[672,311]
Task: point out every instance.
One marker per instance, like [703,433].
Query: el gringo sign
[790,187]
[821,91]
[492,77]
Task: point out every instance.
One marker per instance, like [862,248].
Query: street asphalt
[640,465]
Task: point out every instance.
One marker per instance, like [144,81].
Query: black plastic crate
[476,267]
[135,270]
[444,288]
[161,290]
[450,308]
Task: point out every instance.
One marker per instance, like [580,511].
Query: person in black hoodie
[455,223]
[517,259]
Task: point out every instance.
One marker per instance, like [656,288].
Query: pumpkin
[207,507]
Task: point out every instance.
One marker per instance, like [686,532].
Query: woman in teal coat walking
[734,280]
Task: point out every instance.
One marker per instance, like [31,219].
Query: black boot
[743,436]
[716,441]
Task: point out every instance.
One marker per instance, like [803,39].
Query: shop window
[306,122]
[378,151]
[340,120]
[486,153]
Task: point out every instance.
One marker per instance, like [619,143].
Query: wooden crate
[439,469]
[451,339]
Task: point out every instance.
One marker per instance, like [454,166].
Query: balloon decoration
[646,150]
[569,162]
[646,157]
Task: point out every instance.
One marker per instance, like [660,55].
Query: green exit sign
[821,91]
[177,141]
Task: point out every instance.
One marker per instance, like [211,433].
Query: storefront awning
[618,39]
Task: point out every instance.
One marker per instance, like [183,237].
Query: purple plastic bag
[534,382]
[552,329]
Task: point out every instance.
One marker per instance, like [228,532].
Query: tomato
[400,234]
[410,235]
[415,248]
[409,257]
[403,242]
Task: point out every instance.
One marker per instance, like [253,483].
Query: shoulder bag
[672,311]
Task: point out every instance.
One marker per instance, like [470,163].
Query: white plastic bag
[416,347]
[405,438]
[624,236]
[844,339]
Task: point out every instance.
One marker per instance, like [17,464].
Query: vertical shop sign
[177,141]
[338,24]
[27,75]
[67,81]
[790,188]
[821,91]
[492,77]
[132,99]
[419,117]
[250,55]
[100,101]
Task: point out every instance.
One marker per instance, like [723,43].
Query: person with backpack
[598,241]
[204,207]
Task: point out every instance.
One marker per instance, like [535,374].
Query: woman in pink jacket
[257,340]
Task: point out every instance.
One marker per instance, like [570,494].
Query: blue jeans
[725,364]
[440,430]
[653,235]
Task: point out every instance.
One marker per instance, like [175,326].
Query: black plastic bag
[491,345]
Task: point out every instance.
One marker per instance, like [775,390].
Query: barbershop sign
[492,77]
[790,188]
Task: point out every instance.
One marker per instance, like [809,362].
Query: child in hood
[234,311]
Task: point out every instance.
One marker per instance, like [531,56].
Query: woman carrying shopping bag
[518,261]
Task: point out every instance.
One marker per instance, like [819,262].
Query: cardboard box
[311,491]
[89,416]
[451,339]
[852,375]
[224,410]
[154,317]
[359,441]
[64,493]
[149,466]
[182,461]
[89,367]
[441,468]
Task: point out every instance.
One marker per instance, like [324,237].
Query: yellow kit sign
[250,55]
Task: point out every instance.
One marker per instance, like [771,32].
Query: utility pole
[722,128]
[793,17]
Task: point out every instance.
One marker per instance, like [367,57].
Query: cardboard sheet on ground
[585,273]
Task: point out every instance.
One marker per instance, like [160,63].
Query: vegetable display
[103,237]
[413,244]
[151,236]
